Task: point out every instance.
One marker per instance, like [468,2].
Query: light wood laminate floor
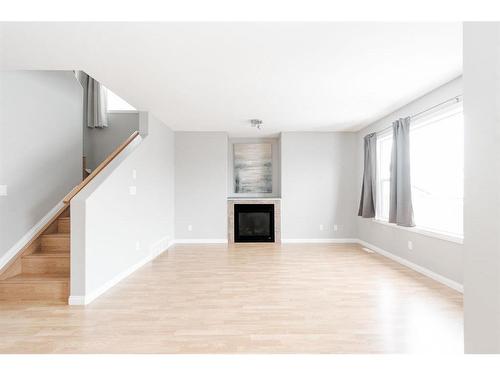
[250,299]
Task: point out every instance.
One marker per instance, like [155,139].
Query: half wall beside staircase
[125,216]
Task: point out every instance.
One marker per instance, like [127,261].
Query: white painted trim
[200,241]
[23,241]
[86,299]
[424,271]
[423,232]
[254,198]
[319,240]
[76,300]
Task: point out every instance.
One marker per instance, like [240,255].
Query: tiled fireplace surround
[277,215]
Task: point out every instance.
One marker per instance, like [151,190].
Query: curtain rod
[455,99]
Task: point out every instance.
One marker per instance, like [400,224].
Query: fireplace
[254,223]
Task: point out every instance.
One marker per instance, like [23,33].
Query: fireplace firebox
[253,223]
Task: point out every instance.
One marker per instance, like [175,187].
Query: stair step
[46,263]
[63,225]
[55,242]
[25,287]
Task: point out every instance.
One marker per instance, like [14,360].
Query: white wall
[114,231]
[201,161]
[40,147]
[482,187]
[100,143]
[440,256]
[317,177]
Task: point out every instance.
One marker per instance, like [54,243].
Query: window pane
[384,208]
[384,149]
[115,103]
[385,157]
[437,153]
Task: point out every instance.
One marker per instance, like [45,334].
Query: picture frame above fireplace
[254,167]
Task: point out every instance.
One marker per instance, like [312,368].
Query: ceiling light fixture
[256,123]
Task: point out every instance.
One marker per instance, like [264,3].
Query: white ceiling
[217,76]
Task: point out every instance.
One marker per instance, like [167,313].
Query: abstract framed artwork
[253,168]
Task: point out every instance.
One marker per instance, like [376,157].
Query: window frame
[420,122]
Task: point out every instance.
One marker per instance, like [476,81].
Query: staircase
[41,272]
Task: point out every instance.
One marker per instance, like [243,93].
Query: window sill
[424,232]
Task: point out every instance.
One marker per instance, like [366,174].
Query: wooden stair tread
[34,287]
[64,225]
[46,263]
[56,235]
[41,254]
[29,278]
[41,272]
[56,243]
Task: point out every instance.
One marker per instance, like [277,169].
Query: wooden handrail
[100,167]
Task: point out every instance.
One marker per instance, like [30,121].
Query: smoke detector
[256,123]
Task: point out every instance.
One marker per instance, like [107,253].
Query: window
[384,149]
[115,103]
[437,162]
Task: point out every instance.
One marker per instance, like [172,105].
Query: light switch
[3,190]
[134,174]
[132,190]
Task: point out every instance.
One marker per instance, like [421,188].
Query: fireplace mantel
[277,215]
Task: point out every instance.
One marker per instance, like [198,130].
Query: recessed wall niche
[254,167]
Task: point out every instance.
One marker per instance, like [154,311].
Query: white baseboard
[200,241]
[23,241]
[160,246]
[86,299]
[319,240]
[76,300]
[424,271]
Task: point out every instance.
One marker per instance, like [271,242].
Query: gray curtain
[367,201]
[95,106]
[400,206]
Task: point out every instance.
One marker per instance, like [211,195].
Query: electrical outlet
[410,245]
[138,245]
[3,190]
[321,227]
[132,190]
[335,227]
[190,228]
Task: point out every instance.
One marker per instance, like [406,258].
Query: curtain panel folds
[95,106]
[400,204]
[368,189]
